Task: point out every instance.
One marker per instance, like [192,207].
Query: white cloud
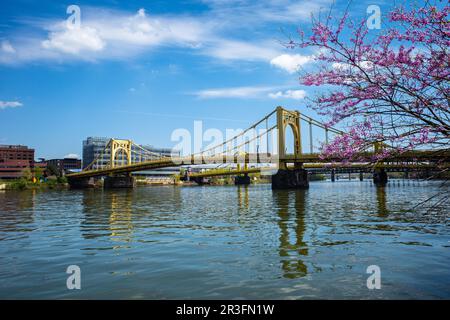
[146,30]
[7,47]
[236,92]
[216,33]
[248,13]
[72,156]
[74,40]
[108,34]
[290,63]
[288,94]
[340,66]
[365,65]
[240,50]
[10,104]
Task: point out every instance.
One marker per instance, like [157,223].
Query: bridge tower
[289,177]
[380,176]
[117,147]
[242,179]
[287,118]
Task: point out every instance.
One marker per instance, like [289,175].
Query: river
[226,242]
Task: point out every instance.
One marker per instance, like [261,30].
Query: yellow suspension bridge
[266,149]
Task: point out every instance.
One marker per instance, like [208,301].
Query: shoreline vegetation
[27,184]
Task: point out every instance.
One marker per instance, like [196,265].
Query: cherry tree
[389,86]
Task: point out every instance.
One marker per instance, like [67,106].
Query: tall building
[93,147]
[14,159]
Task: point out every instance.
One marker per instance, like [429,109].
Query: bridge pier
[197,180]
[242,180]
[290,179]
[81,183]
[361,176]
[333,175]
[406,176]
[113,182]
[380,177]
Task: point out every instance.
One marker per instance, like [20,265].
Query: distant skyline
[140,70]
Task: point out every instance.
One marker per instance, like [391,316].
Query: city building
[65,165]
[14,159]
[16,152]
[94,148]
[13,168]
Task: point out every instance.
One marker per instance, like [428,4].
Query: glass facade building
[93,147]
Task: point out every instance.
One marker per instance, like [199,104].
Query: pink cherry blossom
[392,83]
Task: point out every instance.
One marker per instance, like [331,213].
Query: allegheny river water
[226,242]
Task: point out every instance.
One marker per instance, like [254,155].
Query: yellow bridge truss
[123,156]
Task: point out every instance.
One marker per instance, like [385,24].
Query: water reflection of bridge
[294,249]
[292,212]
[117,215]
[109,215]
[113,213]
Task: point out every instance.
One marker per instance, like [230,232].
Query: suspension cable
[236,136]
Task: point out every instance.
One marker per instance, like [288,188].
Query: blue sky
[141,69]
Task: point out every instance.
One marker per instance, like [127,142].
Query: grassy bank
[25,184]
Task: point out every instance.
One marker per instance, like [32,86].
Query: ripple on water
[225,242]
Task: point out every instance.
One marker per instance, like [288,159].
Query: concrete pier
[290,179]
[112,182]
[197,180]
[242,180]
[380,177]
[81,183]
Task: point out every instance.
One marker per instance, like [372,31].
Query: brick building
[14,159]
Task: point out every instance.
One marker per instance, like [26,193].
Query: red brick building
[14,159]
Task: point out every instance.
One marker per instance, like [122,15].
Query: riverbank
[24,184]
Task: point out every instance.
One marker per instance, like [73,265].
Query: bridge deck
[310,159]
[323,166]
